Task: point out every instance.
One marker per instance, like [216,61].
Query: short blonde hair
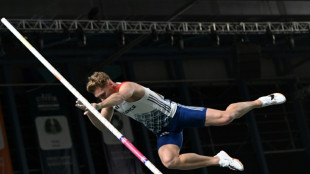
[98,79]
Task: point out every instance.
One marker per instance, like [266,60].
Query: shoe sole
[237,161]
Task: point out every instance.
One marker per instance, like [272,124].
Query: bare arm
[107,113]
[106,106]
[125,92]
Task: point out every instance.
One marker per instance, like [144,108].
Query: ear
[110,82]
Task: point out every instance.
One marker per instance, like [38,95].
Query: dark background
[201,73]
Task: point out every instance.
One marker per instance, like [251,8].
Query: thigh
[190,116]
[213,117]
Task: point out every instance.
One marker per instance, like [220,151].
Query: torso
[149,108]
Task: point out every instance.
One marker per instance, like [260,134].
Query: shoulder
[131,91]
[128,84]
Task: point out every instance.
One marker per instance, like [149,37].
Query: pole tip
[3,19]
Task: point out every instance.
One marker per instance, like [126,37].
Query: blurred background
[200,52]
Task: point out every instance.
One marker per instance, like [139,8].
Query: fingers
[80,105]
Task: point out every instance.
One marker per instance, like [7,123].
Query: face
[105,92]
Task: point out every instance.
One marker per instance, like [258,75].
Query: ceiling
[158,10]
[108,46]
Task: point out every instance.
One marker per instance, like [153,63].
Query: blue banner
[52,123]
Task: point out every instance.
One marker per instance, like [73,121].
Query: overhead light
[121,37]
[66,33]
[214,36]
[180,41]
[155,35]
[291,41]
[170,36]
[81,36]
[171,39]
[245,38]
[38,39]
[270,36]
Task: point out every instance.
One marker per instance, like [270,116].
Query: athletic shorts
[184,117]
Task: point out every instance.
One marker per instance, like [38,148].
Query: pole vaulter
[106,123]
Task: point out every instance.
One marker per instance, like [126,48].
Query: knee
[227,117]
[169,163]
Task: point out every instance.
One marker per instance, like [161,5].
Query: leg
[170,157]
[237,110]
[169,144]
[233,111]
[170,141]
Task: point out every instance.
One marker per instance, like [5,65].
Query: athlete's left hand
[81,106]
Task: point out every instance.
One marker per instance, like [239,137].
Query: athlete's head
[101,85]
[98,79]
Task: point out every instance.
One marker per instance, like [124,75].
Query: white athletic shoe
[272,99]
[227,161]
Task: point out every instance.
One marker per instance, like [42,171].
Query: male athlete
[167,119]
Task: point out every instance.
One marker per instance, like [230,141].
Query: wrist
[99,106]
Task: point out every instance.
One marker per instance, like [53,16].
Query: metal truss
[146,27]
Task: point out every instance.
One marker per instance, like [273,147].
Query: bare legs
[169,154]
[241,108]
[233,111]
[170,157]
